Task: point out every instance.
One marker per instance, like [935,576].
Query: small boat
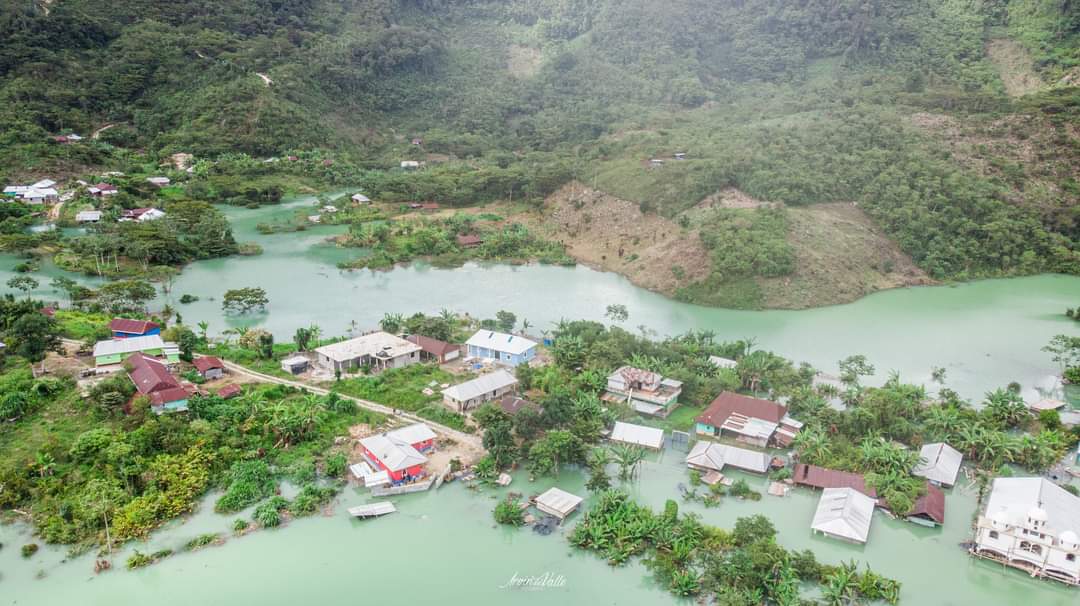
[373,510]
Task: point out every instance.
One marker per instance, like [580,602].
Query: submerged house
[558,502]
[485,388]
[645,391]
[822,478]
[510,350]
[114,351]
[751,420]
[939,463]
[929,509]
[378,351]
[638,435]
[844,513]
[153,380]
[710,456]
[1031,524]
[123,328]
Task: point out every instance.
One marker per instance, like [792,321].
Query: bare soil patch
[523,61]
[841,255]
[612,234]
[1015,66]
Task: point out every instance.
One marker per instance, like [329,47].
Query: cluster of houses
[137,348]
[42,192]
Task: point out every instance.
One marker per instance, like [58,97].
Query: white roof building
[844,513]
[394,453]
[707,455]
[558,502]
[159,181]
[44,184]
[88,216]
[378,349]
[410,164]
[719,362]
[360,199]
[939,463]
[413,434]
[126,346]
[501,342]
[1034,525]
[480,386]
[638,435]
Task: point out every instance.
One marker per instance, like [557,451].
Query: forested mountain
[952,123]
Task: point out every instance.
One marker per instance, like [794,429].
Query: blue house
[510,350]
[123,328]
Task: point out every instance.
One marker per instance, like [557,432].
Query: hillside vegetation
[793,104]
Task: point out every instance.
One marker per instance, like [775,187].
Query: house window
[993,534]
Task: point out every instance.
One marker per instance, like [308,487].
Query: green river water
[442,546]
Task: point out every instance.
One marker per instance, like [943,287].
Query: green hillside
[907,108]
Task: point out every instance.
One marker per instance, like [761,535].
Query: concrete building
[1031,524]
[466,396]
[509,350]
[378,350]
[645,391]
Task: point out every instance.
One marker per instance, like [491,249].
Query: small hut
[638,435]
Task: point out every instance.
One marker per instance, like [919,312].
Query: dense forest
[906,108]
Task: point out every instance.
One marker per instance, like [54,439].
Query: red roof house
[209,367]
[929,509]
[753,420]
[230,391]
[820,477]
[153,379]
[123,328]
[435,349]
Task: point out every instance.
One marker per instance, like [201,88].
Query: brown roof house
[434,349]
[153,379]
[820,477]
[469,241]
[209,367]
[751,420]
[511,404]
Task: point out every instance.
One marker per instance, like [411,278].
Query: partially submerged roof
[727,403]
[500,341]
[558,502]
[931,505]
[136,327]
[494,381]
[711,455]
[820,477]
[377,345]
[394,453]
[845,513]
[1014,500]
[639,435]
[939,463]
[125,346]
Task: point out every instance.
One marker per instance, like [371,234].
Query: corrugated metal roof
[380,344]
[640,435]
[820,477]
[412,434]
[845,513]
[728,403]
[125,346]
[558,502]
[479,386]
[931,505]
[394,454]
[939,463]
[500,341]
[710,455]
[136,327]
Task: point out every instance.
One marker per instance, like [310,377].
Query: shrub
[249,482]
[509,512]
[336,464]
[268,515]
[310,499]
[29,549]
[239,525]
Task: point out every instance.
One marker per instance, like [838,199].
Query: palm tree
[943,421]
[1006,407]
[203,327]
[45,463]
[969,437]
[628,457]
[812,445]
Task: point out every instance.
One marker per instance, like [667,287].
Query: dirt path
[1015,66]
[54,211]
[266,79]
[97,133]
[471,440]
